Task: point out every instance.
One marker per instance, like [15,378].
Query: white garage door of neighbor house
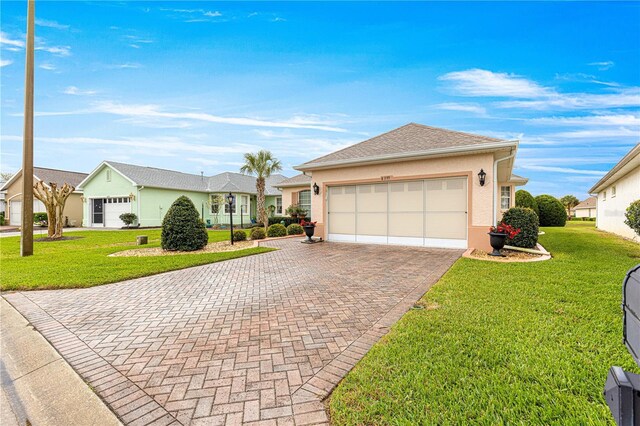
[113,208]
[15,211]
[429,212]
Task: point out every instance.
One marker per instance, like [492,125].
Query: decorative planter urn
[497,241]
[309,230]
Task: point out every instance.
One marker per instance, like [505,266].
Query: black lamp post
[482,176]
[230,202]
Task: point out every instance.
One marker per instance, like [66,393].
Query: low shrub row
[286,219]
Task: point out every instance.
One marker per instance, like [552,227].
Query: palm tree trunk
[262,212]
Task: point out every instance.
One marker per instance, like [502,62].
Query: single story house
[12,190]
[586,208]
[415,185]
[114,188]
[615,191]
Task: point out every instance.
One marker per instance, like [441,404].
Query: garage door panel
[342,223]
[446,195]
[342,199]
[406,225]
[446,225]
[371,224]
[406,197]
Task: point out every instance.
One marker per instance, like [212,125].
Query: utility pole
[26,239]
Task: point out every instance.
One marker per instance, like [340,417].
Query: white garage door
[113,208]
[431,212]
[15,211]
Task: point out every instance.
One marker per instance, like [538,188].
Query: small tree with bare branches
[54,199]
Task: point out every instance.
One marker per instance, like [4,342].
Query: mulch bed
[53,240]
[218,247]
[510,256]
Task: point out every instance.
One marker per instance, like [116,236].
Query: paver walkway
[259,339]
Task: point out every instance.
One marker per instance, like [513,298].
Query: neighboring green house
[115,188]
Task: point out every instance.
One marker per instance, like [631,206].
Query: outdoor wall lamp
[316,188]
[481,177]
[230,198]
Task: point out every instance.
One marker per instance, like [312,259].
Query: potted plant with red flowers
[309,229]
[498,235]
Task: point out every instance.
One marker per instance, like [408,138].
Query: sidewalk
[38,386]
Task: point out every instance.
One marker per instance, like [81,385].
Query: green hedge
[39,217]
[526,200]
[552,212]
[182,228]
[632,216]
[287,220]
[527,221]
[239,235]
[276,230]
[294,229]
[258,233]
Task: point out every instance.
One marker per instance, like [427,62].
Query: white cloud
[212,14]
[528,94]
[126,65]
[478,82]
[73,90]
[55,50]
[5,62]
[7,40]
[566,170]
[154,111]
[592,120]
[472,108]
[195,15]
[603,65]
[47,66]
[51,24]
[585,78]
[621,132]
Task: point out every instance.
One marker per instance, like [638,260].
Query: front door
[97,213]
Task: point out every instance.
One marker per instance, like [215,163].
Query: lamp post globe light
[230,198]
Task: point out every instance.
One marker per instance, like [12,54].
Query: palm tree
[262,165]
[569,202]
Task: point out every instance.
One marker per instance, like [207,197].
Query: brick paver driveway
[259,339]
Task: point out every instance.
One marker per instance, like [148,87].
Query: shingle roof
[237,182]
[297,180]
[589,203]
[223,182]
[410,138]
[58,176]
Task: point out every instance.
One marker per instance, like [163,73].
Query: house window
[278,205]
[613,192]
[108,175]
[215,208]
[244,204]
[604,196]
[304,201]
[233,207]
[505,197]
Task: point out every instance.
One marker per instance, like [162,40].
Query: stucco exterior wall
[480,203]
[610,211]
[288,196]
[72,209]
[99,187]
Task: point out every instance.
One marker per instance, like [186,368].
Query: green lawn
[503,343]
[84,262]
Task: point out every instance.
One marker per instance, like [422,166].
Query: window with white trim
[613,192]
[233,207]
[215,208]
[304,201]
[505,197]
[278,205]
[244,204]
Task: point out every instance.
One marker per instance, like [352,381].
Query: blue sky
[191,86]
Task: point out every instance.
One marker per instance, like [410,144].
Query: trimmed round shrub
[239,235]
[294,229]
[527,221]
[182,228]
[258,233]
[633,216]
[525,199]
[276,230]
[552,212]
